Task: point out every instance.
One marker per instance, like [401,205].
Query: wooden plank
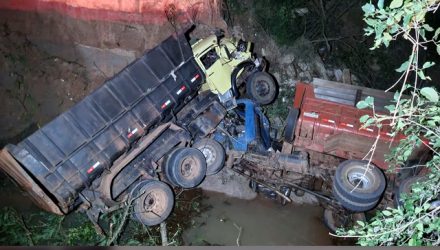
[365,91]
[19,175]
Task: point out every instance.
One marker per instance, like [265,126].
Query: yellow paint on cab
[218,75]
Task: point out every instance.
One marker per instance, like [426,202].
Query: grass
[39,228]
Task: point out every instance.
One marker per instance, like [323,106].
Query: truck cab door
[218,72]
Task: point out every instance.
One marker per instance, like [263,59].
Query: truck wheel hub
[359,179]
[189,167]
[209,155]
[262,88]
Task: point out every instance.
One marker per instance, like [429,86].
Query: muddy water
[263,222]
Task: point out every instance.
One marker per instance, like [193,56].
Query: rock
[355,80]
[303,66]
[305,199]
[229,183]
[346,76]
[338,75]
[237,32]
[330,73]
[320,68]
[301,11]
[277,76]
[287,59]
[277,122]
[305,76]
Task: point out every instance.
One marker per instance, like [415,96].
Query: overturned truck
[122,144]
[325,151]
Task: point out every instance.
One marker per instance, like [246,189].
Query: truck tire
[246,66]
[289,130]
[261,88]
[367,194]
[214,154]
[334,220]
[185,167]
[405,188]
[153,202]
[352,205]
[371,182]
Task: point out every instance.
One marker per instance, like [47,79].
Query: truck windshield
[209,58]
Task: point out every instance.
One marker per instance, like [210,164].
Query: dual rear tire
[185,167]
[358,186]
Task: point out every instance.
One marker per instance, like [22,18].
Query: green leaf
[369,100]
[380,4]
[364,118]
[438,49]
[420,16]
[431,123]
[386,213]
[396,4]
[396,95]
[428,65]
[421,74]
[361,223]
[369,122]
[403,67]
[361,105]
[430,94]
[368,8]
[427,27]
[390,108]
[390,21]
[437,32]
[387,38]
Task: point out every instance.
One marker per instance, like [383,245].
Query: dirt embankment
[53,55]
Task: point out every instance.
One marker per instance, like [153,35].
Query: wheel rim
[190,167]
[209,154]
[360,179]
[155,203]
[262,88]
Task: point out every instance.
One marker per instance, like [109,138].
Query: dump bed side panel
[328,121]
[68,153]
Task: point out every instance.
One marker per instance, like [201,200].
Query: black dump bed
[68,153]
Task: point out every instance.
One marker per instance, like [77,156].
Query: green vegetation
[278,18]
[416,221]
[280,108]
[46,229]
[73,230]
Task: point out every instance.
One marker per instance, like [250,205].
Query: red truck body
[328,121]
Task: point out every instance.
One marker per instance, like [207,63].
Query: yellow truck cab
[227,64]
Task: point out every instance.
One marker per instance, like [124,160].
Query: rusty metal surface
[271,168]
[9,165]
[333,128]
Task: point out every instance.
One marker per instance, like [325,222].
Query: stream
[262,222]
